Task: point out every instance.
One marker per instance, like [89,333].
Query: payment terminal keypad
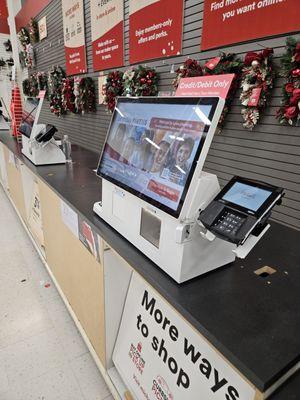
[228,222]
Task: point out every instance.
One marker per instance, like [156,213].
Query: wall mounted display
[107,33]
[42,24]
[155,29]
[227,21]
[74,37]
[4,28]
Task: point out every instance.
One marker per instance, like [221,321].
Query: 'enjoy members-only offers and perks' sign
[74,37]
[159,356]
[155,29]
[233,21]
[107,33]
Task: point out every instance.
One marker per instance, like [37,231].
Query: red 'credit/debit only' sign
[205,86]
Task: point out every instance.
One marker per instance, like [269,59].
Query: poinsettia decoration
[257,81]
[190,68]
[68,96]
[55,81]
[86,97]
[289,112]
[141,81]
[113,88]
[226,64]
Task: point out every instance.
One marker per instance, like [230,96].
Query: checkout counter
[251,320]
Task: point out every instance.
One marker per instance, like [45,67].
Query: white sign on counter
[161,357]
[69,217]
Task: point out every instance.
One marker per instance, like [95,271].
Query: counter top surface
[253,321]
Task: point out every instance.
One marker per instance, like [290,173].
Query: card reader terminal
[242,207]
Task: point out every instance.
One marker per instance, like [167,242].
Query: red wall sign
[155,29]
[107,33]
[74,37]
[205,86]
[232,21]
[4,28]
[30,9]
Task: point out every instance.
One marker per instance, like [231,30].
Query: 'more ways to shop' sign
[232,21]
[160,357]
[205,86]
[155,29]
[74,36]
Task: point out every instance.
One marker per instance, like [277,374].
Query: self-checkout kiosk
[155,193]
[38,143]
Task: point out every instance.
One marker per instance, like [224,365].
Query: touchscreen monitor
[28,116]
[152,147]
[247,196]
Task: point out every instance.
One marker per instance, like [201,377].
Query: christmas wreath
[190,68]
[140,82]
[113,88]
[226,64]
[34,31]
[27,54]
[257,82]
[289,112]
[55,81]
[68,95]
[86,97]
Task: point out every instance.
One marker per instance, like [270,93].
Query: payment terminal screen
[247,196]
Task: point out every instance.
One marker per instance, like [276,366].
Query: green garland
[34,31]
[140,82]
[86,101]
[113,87]
[55,82]
[289,112]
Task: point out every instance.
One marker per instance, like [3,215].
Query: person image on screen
[160,158]
[142,157]
[128,150]
[114,148]
[179,166]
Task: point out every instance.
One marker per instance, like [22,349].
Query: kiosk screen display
[28,116]
[247,196]
[153,145]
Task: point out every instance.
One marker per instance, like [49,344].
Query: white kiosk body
[168,232]
[44,153]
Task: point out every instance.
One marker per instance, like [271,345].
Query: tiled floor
[42,355]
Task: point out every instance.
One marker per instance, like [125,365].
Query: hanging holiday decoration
[42,80]
[7,45]
[189,69]
[226,64]
[257,82]
[33,31]
[2,62]
[27,54]
[68,96]
[55,80]
[86,100]
[140,82]
[24,37]
[289,112]
[26,85]
[113,88]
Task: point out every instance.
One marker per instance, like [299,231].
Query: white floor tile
[71,340]
[90,379]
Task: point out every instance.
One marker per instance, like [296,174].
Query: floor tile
[90,379]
